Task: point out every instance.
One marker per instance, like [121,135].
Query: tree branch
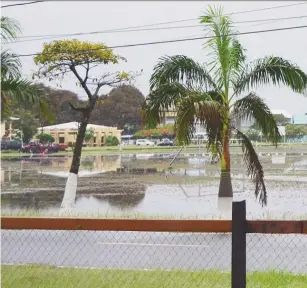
[77,108]
[86,73]
[88,92]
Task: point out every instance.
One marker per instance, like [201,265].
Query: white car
[144,142]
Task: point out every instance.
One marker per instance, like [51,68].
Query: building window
[61,140]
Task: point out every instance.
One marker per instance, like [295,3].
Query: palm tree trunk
[225,189]
[72,179]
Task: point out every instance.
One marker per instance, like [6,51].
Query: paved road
[140,250]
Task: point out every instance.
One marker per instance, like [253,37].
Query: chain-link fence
[276,260]
[34,258]
[86,258]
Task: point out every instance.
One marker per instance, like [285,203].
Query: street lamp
[12,119]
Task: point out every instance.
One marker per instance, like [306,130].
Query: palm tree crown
[13,87]
[211,93]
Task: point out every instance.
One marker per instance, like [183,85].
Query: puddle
[129,184]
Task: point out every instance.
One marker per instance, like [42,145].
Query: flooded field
[144,185]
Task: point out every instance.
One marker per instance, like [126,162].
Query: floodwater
[144,185]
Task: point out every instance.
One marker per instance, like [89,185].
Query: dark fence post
[238,255]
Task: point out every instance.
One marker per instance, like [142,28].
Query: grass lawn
[51,277]
[132,149]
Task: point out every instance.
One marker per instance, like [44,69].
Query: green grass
[33,213]
[52,277]
[132,149]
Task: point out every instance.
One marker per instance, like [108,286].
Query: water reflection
[38,183]
[51,200]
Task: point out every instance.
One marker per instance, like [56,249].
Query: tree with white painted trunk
[57,60]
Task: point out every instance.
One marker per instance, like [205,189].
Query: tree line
[122,110]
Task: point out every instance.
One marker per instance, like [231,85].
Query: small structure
[66,133]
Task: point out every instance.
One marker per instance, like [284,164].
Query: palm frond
[10,65]
[9,29]
[200,108]
[164,98]
[275,70]
[181,69]
[25,93]
[254,168]
[253,107]
[236,55]
[220,28]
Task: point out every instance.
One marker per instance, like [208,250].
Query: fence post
[238,251]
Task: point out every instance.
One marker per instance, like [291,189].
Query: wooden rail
[183,226]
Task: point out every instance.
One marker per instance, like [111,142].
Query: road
[142,250]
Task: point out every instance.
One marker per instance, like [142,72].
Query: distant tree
[253,134]
[59,104]
[27,124]
[61,57]
[45,138]
[124,107]
[281,120]
[295,131]
[89,135]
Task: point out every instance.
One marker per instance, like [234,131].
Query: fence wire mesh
[276,260]
[53,258]
[33,258]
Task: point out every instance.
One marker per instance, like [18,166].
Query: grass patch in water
[47,277]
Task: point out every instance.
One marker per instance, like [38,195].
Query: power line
[21,4]
[172,22]
[176,40]
[152,29]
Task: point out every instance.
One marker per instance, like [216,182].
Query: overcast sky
[72,17]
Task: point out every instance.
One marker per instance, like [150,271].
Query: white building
[245,124]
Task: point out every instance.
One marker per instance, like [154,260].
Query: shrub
[45,138]
[112,141]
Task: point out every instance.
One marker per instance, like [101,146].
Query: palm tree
[211,93]
[13,87]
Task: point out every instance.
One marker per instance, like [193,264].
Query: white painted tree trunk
[70,191]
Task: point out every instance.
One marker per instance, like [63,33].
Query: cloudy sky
[53,18]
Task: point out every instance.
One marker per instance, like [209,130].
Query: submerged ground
[145,185]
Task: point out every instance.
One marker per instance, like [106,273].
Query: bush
[112,141]
[45,138]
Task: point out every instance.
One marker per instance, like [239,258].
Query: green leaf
[180,69]
[10,65]
[253,107]
[254,168]
[198,107]
[274,70]
[9,29]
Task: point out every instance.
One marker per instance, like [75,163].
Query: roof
[283,112]
[70,126]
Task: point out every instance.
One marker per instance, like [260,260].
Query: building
[66,133]
[245,124]
[2,129]
[169,117]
